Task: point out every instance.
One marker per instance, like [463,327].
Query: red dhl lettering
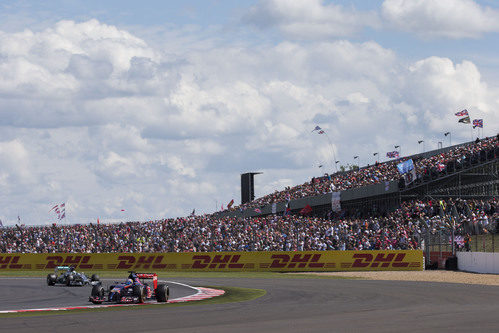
[398,261]
[75,261]
[219,261]
[297,261]
[125,262]
[385,259]
[54,261]
[10,262]
[145,262]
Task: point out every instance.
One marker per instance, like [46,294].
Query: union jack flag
[478,123]
[462,113]
[392,154]
[60,210]
[321,132]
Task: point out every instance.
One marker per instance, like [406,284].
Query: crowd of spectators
[400,229]
[381,172]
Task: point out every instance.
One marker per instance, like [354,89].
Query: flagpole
[332,149]
[321,131]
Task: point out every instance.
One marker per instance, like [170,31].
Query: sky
[132,111]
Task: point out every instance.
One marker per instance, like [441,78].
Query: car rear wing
[149,276]
[60,268]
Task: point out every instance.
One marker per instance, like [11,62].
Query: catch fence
[438,242]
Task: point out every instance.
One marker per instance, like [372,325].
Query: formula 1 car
[68,276]
[134,290]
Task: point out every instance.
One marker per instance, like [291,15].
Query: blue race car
[133,290]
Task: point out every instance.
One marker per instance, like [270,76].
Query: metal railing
[438,243]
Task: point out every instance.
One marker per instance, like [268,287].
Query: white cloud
[439,87]
[96,117]
[14,163]
[442,18]
[309,19]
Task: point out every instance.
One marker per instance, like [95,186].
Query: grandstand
[467,170]
[456,186]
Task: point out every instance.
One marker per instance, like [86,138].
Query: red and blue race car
[133,290]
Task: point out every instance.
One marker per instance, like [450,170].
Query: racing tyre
[162,293]
[140,292]
[51,278]
[69,280]
[94,277]
[97,292]
[117,298]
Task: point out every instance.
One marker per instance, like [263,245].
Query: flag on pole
[462,113]
[62,213]
[478,123]
[317,128]
[392,154]
[321,132]
[465,120]
[60,210]
[193,212]
[229,205]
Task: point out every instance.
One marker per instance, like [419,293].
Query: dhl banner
[389,260]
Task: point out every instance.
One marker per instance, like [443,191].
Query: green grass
[169,275]
[232,294]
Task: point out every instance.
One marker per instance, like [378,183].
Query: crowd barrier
[478,262]
[407,260]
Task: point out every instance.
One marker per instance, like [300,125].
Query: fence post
[493,234]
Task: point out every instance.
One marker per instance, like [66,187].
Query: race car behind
[133,290]
[68,276]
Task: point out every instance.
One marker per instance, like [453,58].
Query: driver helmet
[129,282]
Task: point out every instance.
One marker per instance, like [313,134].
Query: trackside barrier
[404,260]
[478,262]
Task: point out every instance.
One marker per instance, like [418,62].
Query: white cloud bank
[93,116]
[309,19]
[442,18]
[427,19]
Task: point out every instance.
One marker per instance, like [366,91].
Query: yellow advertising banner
[278,261]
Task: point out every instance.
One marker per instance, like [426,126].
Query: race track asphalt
[290,305]
[33,293]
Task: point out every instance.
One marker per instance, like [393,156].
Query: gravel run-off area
[430,276]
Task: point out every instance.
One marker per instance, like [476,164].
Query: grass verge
[232,295]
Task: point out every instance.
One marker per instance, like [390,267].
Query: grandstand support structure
[478,180]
